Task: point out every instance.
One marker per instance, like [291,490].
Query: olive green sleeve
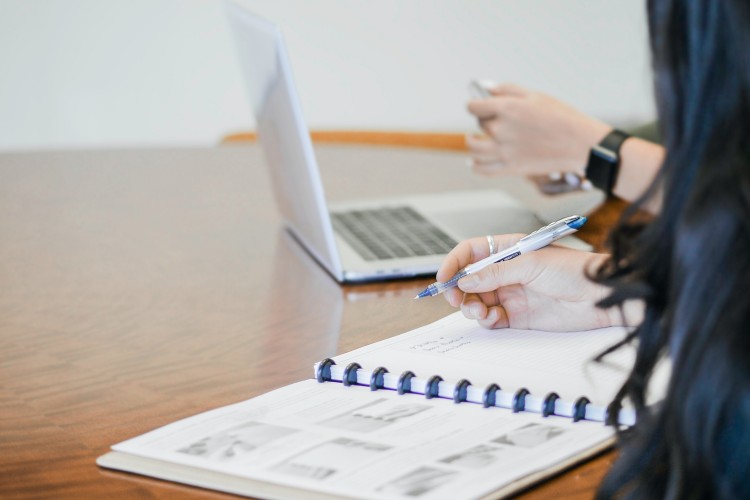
[647,131]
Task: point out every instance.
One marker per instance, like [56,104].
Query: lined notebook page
[456,348]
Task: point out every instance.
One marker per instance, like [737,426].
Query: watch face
[604,161]
[601,170]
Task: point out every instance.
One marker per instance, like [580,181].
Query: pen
[479,89]
[534,241]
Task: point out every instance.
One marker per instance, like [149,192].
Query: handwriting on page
[441,345]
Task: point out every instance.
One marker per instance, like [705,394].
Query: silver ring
[491,243]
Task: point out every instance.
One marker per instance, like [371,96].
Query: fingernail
[476,310]
[469,283]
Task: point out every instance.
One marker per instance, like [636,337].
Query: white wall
[92,73]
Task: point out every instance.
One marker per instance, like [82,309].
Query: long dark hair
[691,265]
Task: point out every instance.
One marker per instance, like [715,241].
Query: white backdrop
[92,73]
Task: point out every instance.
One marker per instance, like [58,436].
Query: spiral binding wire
[579,408]
[548,407]
[460,392]
[488,397]
[350,374]
[404,382]
[519,400]
[376,380]
[324,370]
[432,389]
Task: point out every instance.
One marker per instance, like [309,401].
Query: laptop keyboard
[390,233]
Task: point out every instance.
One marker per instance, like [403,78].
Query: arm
[546,290]
[530,132]
[639,162]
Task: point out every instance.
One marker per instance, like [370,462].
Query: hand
[542,290]
[530,133]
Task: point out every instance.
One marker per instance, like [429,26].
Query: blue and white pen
[534,241]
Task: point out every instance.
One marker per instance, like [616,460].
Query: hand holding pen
[534,241]
[548,289]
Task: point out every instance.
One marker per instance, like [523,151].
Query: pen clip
[544,229]
[562,224]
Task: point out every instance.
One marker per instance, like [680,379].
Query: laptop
[367,240]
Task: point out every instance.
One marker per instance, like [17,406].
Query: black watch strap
[604,161]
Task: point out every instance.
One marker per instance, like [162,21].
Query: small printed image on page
[235,443]
[376,416]
[476,457]
[418,482]
[332,457]
[530,435]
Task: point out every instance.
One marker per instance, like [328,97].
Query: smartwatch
[604,161]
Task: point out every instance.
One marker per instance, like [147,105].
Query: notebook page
[542,362]
[358,443]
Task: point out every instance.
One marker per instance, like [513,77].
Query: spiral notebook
[448,410]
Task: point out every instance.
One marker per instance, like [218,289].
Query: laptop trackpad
[470,223]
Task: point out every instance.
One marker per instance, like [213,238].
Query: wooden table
[138,287]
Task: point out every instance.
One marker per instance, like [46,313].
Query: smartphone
[479,88]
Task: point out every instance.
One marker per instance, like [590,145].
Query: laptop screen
[283,134]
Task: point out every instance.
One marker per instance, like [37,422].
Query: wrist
[597,133]
[591,135]
[640,160]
